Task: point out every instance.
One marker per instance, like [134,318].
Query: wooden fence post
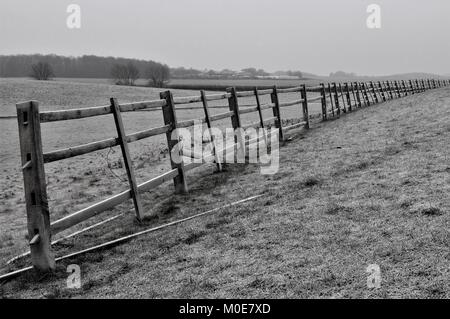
[336,99]
[382,92]
[343,99]
[331,99]
[276,112]
[397,89]
[354,94]
[366,94]
[38,216]
[347,92]
[170,118]
[386,90]
[305,106]
[372,86]
[324,101]
[211,136]
[122,138]
[358,96]
[261,118]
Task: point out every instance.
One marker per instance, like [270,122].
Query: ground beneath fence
[372,187]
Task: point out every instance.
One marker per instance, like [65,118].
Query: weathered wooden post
[336,99]
[276,112]
[173,138]
[366,94]
[354,94]
[397,89]
[358,96]
[211,136]
[331,99]
[347,92]
[324,101]
[382,93]
[122,139]
[261,118]
[305,106]
[418,88]
[405,89]
[38,216]
[372,86]
[342,97]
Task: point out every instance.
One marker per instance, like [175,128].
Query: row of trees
[88,66]
[127,74]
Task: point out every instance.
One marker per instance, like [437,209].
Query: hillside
[369,188]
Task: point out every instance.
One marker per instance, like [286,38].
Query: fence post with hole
[38,216]
[170,118]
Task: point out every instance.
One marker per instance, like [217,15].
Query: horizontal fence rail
[333,99]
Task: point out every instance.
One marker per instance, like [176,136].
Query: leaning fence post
[276,112]
[170,118]
[38,216]
[331,99]
[211,136]
[305,106]
[336,99]
[122,139]
[260,114]
[324,101]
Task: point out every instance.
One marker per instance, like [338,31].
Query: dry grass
[370,188]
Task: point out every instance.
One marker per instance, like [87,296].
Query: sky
[317,36]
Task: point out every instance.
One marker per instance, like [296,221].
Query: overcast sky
[318,36]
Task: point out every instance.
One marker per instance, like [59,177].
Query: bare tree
[125,74]
[132,72]
[158,75]
[42,71]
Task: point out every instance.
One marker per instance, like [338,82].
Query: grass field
[370,188]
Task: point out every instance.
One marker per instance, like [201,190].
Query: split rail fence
[334,99]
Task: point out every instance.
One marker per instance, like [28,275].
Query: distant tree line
[87,66]
[247,73]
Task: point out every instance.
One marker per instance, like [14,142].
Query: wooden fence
[334,99]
